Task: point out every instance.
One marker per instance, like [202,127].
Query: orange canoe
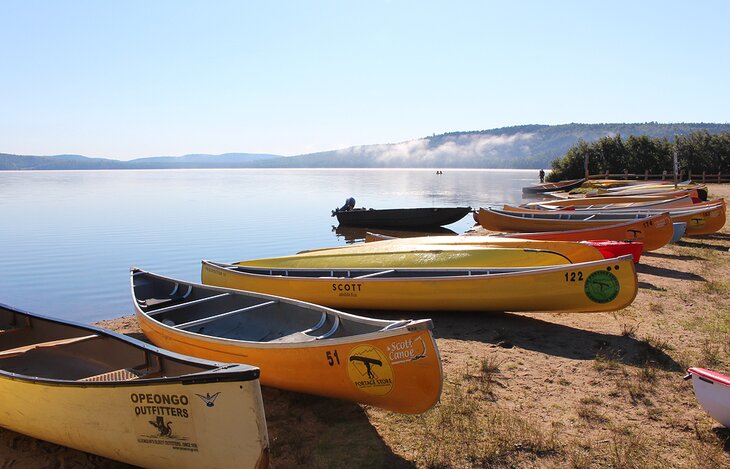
[654,232]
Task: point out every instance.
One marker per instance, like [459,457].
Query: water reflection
[352,234]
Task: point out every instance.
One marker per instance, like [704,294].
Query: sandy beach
[525,390]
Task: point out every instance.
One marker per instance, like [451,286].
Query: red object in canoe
[611,249]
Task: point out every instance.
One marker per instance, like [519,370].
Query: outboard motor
[349,205]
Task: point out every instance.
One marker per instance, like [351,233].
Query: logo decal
[602,286]
[369,370]
[406,350]
[208,399]
[164,420]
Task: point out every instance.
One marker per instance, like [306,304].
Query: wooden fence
[665,176]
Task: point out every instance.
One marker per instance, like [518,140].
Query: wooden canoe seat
[14,352]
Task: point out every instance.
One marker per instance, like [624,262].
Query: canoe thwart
[187,303]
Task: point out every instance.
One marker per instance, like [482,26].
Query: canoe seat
[294,338]
[176,294]
[124,374]
[14,352]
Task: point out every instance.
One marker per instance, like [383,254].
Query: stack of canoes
[701,219]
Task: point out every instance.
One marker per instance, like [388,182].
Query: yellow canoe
[574,251]
[416,256]
[107,394]
[605,285]
[299,346]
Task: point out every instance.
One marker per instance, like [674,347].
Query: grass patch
[717,287]
[459,432]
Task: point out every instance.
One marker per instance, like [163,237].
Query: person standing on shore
[542,176]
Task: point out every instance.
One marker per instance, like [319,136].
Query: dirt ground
[526,390]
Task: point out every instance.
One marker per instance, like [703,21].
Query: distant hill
[526,146]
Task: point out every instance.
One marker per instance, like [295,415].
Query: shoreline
[529,389]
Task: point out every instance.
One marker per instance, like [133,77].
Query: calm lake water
[68,238]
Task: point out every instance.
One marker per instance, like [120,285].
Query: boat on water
[553,186]
[416,256]
[654,232]
[712,390]
[114,396]
[302,347]
[604,285]
[400,218]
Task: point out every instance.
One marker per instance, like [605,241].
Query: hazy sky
[146,78]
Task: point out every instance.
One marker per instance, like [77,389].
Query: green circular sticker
[602,286]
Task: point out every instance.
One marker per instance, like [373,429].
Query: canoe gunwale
[504,271]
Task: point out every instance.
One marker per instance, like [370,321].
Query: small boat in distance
[398,218]
[108,394]
[301,347]
[553,186]
[712,390]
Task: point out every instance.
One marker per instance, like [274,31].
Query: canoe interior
[39,347]
[242,316]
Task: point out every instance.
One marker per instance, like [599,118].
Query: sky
[137,78]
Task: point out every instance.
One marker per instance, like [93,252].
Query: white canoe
[712,390]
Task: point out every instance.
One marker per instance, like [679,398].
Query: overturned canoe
[553,186]
[712,390]
[401,217]
[604,285]
[415,256]
[107,394]
[299,346]
[573,251]
[607,248]
[653,232]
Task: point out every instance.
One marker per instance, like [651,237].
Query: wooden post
[719,173]
[664,174]
[646,175]
[585,168]
[676,166]
[704,174]
[689,176]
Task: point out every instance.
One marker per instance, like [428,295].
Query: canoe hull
[104,393]
[654,232]
[117,421]
[407,381]
[402,217]
[560,288]
[713,393]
